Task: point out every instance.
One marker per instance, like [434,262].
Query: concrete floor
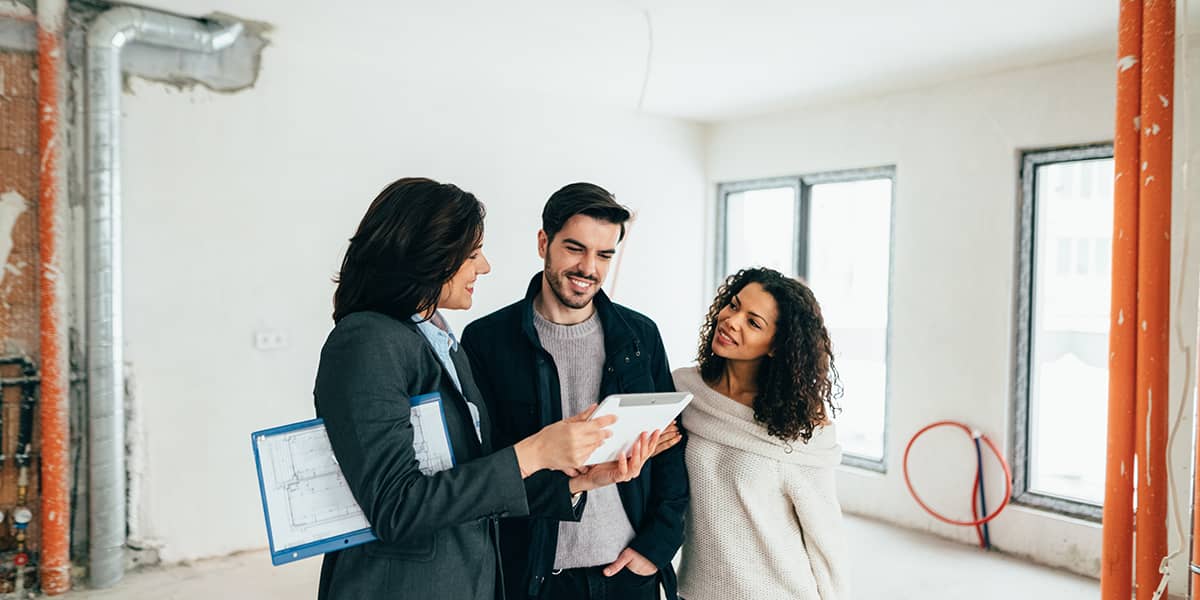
[888,563]
[899,564]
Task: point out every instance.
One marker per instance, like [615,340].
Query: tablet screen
[636,413]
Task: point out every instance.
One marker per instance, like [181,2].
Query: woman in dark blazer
[418,249]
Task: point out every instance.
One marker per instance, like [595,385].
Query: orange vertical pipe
[1154,281]
[54,564]
[1116,560]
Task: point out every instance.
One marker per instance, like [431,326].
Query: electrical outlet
[266,340]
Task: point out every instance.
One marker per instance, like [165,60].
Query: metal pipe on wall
[1153,289]
[1116,560]
[108,34]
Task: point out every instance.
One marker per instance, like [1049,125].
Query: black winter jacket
[519,383]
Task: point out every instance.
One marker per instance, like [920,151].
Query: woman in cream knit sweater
[764,520]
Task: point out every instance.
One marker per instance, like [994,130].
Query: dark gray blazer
[437,534]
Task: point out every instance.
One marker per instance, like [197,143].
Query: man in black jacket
[556,352]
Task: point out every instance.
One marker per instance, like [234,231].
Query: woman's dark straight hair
[413,239]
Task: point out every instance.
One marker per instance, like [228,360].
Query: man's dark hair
[582,199]
[413,239]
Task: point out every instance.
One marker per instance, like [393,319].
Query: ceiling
[712,63]
[709,60]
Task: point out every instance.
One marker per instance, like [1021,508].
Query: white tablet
[636,413]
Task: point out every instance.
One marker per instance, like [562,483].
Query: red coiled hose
[974,434]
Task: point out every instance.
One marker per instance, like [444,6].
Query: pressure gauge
[22,516]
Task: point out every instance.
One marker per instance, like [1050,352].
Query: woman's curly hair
[800,381]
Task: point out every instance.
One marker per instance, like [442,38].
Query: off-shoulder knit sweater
[764,520]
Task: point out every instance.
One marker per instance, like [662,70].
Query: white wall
[955,148]
[238,208]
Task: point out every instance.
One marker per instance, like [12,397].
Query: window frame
[724,190]
[802,186]
[1026,256]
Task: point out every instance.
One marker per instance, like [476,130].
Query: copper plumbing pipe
[1116,554]
[54,564]
[1153,287]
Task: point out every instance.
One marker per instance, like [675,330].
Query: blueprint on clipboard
[431,439]
[305,496]
[307,504]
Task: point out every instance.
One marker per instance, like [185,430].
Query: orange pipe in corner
[54,566]
[1154,282]
[1116,554]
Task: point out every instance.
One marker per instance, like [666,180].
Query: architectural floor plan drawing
[306,495]
[430,441]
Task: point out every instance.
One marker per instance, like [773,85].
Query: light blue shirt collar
[440,338]
[443,343]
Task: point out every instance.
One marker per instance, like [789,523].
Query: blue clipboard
[354,537]
[416,402]
[283,555]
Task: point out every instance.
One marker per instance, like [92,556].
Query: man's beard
[559,285]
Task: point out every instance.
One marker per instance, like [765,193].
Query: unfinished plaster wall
[237,208]
[18,285]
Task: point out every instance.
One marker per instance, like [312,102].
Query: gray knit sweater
[604,531]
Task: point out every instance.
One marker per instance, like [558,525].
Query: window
[832,230]
[1062,336]
[760,227]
